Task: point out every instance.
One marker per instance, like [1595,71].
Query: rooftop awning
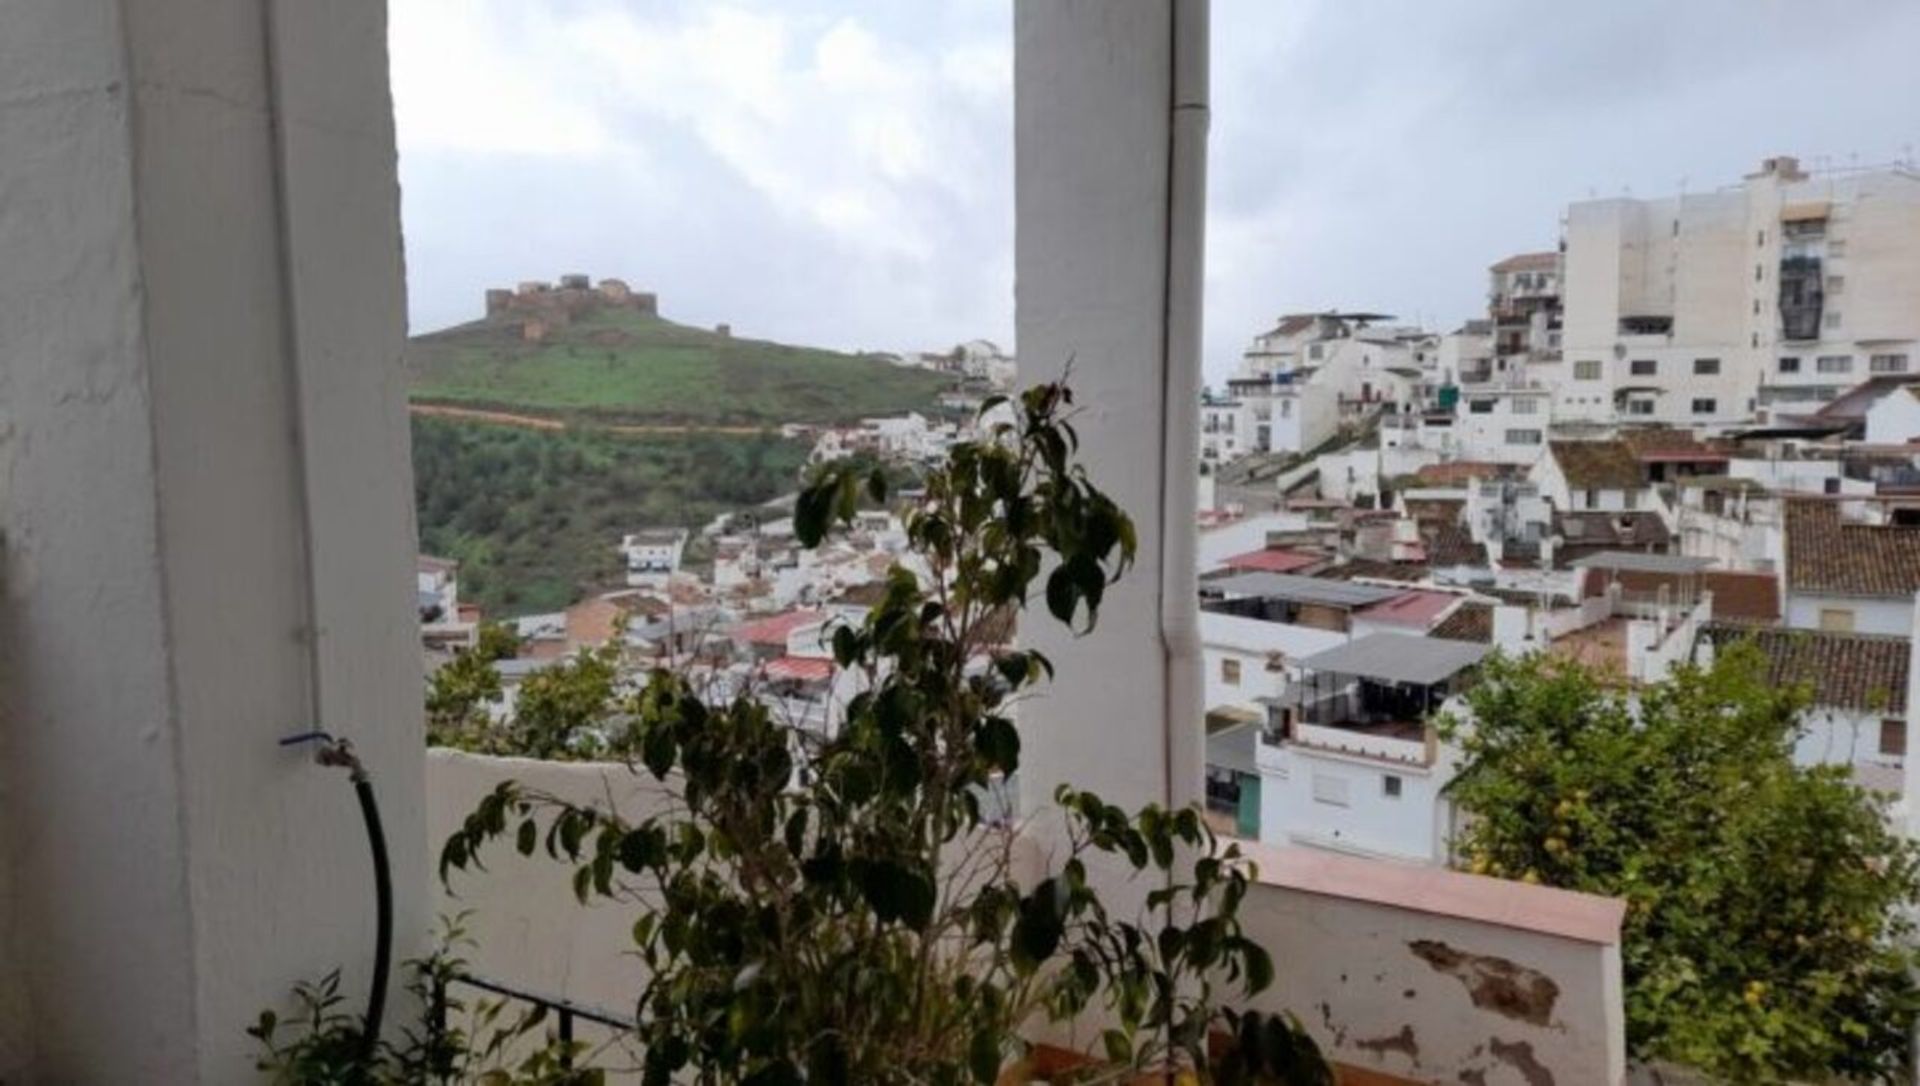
[1287,586]
[1635,562]
[1810,211]
[1399,658]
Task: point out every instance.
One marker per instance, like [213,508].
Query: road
[540,422]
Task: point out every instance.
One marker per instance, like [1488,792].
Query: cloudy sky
[839,172]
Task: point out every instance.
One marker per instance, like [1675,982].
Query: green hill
[617,365]
[533,515]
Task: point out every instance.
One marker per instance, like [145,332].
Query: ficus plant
[844,905]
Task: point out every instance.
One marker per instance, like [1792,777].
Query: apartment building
[1751,302]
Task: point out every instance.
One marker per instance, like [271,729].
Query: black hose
[383,896]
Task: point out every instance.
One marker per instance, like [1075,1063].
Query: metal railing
[564,1011]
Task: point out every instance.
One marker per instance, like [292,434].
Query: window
[1314,351]
[1643,367]
[1390,784]
[1593,499]
[1756,307]
[1887,363]
[1836,283]
[1527,405]
[1639,407]
[1893,738]
[1587,369]
[1760,237]
[1480,407]
[1286,409]
[1230,671]
[1837,247]
[1330,790]
[1790,364]
[1706,367]
[1834,363]
[1836,619]
[1758,273]
[1523,437]
[1633,499]
[1832,319]
[1830,486]
[1704,406]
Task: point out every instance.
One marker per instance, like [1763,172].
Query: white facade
[1502,425]
[652,557]
[1765,298]
[1385,802]
[1894,419]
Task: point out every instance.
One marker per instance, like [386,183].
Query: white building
[652,555]
[1353,763]
[1312,371]
[1502,424]
[1846,574]
[1894,419]
[1756,300]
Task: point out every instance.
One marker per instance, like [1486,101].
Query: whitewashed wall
[1439,976]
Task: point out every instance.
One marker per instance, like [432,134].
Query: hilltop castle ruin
[540,307]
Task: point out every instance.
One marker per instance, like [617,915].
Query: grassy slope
[533,515]
[622,366]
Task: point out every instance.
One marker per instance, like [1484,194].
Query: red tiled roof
[774,631]
[1471,621]
[1825,554]
[1272,560]
[1738,596]
[1867,672]
[799,668]
[427,563]
[1459,471]
[1416,609]
[1597,465]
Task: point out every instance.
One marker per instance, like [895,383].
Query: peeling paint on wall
[1402,1042]
[1519,1055]
[1494,983]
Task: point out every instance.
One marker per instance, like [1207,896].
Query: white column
[1110,120]
[207,524]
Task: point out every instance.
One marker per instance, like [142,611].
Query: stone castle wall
[539,307]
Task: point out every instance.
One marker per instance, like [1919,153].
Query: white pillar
[1109,136]
[206,521]
[1910,761]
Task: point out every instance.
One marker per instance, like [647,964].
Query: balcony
[1376,696]
[210,547]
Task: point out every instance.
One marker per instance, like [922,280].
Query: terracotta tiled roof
[1867,672]
[1441,510]
[1450,544]
[1292,324]
[1825,554]
[1459,471]
[1546,261]
[774,631]
[1472,621]
[1385,571]
[800,668]
[1738,596]
[1597,465]
[1273,560]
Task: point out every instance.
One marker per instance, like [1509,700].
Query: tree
[843,907]
[1766,936]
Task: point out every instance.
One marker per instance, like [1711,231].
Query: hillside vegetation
[533,515]
[622,366]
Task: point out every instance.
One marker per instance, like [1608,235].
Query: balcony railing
[565,1012]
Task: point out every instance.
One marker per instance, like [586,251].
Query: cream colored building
[1757,301]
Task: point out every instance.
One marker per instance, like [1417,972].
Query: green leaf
[528,838]
[998,741]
